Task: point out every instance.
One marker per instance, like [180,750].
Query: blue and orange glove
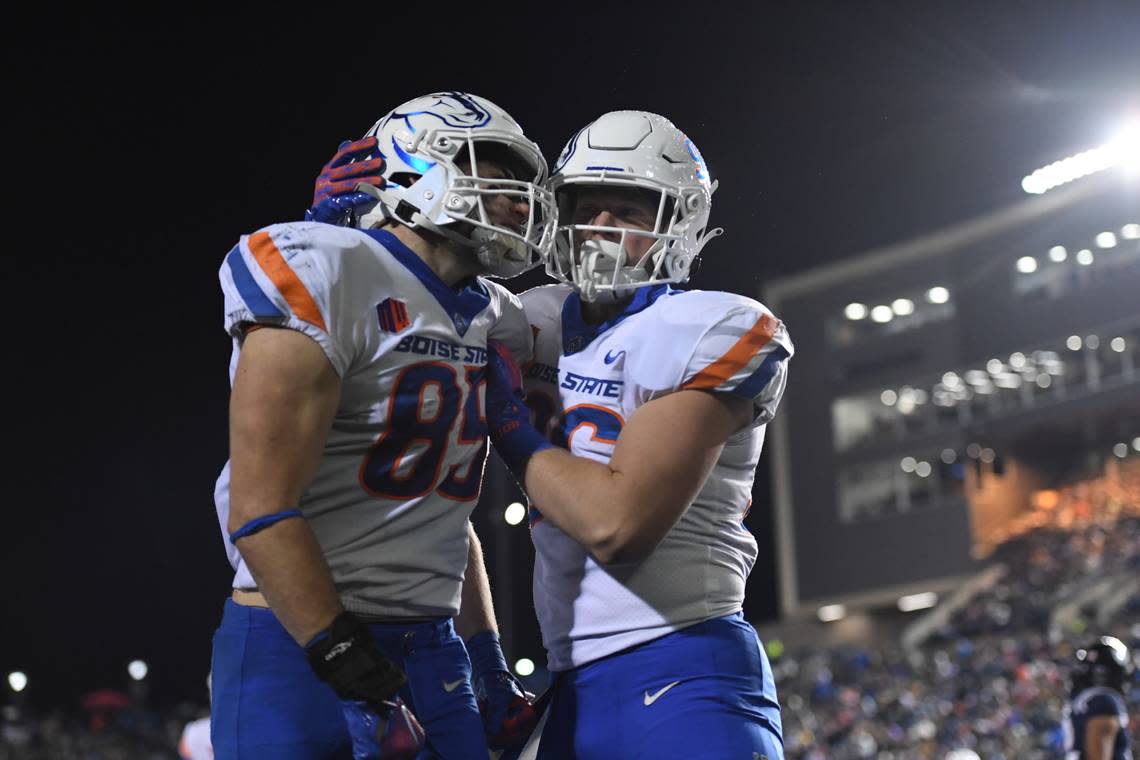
[508,419]
[508,711]
[335,198]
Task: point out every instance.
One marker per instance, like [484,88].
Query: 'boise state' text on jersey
[1090,703]
[402,466]
[583,385]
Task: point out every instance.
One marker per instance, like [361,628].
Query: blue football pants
[267,703]
[705,691]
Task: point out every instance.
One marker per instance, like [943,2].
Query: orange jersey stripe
[737,356]
[285,279]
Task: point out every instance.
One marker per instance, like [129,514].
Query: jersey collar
[577,334]
[462,304]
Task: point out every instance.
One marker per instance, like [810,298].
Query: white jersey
[583,385]
[403,463]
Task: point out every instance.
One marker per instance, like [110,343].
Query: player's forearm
[587,500]
[476,612]
[292,575]
[284,398]
[620,511]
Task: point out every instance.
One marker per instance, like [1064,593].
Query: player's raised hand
[508,418]
[392,733]
[507,708]
[335,198]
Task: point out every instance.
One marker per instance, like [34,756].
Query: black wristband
[347,659]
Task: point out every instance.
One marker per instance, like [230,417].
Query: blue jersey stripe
[758,380]
[250,291]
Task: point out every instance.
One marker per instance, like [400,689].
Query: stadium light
[922,469]
[137,669]
[1120,450]
[1073,343]
[1008,380]
[949,456]
[1123,151]
[18,681]
[1130,231]
[1084,257]
[882,314]
[524,667]
[902,307]
[923,601]
[1017,360]
[515,513]
[908,463]
[907,402]
[831,612]
[974,450]
[995,367]
[1044,381]
[1136,443]
[855,311]
[1058,254]
[976,377]
[938,294]
[1117,345]
[1027,265]
[888,397]
[1105,240]
[1092,342]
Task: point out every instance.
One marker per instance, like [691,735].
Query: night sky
[139,150]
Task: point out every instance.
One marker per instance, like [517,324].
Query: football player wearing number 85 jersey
[357,442]
[655,400]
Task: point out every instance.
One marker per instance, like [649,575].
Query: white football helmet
[640,150]
[422,142]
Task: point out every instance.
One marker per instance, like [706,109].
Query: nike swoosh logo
[650,699]
[611,357]
[452,686]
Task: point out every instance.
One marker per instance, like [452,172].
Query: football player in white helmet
[655,400]
[357,445]
[608,249]
[433,183]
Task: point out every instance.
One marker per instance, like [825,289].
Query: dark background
[139,148]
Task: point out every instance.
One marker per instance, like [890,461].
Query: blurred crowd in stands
[993,679]
[128,733]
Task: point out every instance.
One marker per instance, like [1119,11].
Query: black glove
[347,659]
